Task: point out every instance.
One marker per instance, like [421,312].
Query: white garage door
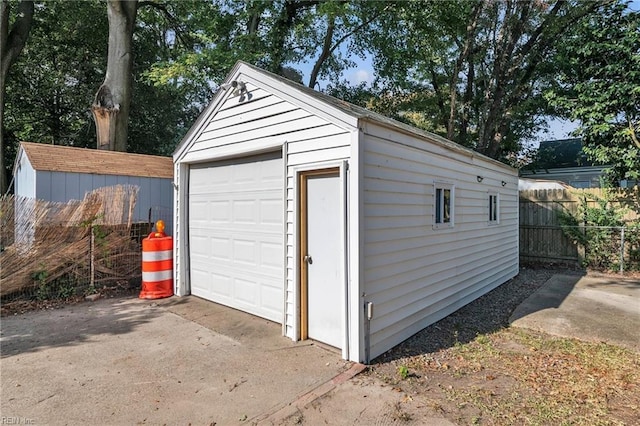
[236,234]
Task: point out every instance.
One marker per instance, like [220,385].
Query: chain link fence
[613,248]
[609,248]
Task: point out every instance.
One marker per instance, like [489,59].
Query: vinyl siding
[64,186]
[25,177]
[414,274]
[260,123]
[25,186]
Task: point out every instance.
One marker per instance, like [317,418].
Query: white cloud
[360,76]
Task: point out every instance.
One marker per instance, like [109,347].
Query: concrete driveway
[173,361]
[187,361]
[590,308]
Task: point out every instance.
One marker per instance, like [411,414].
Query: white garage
[342,225]
[236,235]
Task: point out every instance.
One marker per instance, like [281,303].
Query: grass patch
[516,376]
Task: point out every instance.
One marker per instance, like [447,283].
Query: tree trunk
[326,51]
[11,44]
[111,104]
[455,75]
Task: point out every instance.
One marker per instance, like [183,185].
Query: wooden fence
[541,236]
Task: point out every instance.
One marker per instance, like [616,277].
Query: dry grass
[523,377]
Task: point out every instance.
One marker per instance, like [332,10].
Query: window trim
[496,211]
[439,206]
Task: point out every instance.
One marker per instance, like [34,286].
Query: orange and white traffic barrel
[157,267]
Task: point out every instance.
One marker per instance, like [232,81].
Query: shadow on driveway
[71,325]
[174,361]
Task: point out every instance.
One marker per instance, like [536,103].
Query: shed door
[322,284]
[236,234]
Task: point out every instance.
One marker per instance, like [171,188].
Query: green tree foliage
[473,70]
[596,226]
[209,41]
[53,82]
[276,35]
[599,86]
[162,114]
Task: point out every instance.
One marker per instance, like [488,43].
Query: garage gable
[264,95]
[235,172]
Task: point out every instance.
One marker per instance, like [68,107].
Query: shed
[343,225]
[61,173]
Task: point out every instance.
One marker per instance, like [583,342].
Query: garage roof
[360,112]
[57,158]
[245,69]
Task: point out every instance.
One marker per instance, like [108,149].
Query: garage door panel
[271,298]
[219,211]
[245,252]
[200,280]
[233,268]
[221,248]
[221,285]
[236,234]
[240,290]
[199,246]
[271,255]
[244,211]
[198,210]
[270,212]
[246,291]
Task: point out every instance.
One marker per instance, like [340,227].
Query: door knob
[308,259]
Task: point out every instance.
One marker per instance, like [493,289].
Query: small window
[494,208]
[443,205]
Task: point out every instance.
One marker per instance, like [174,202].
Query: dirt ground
[366,400]
[505,379]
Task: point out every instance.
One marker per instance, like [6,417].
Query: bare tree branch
[328,49]
[182,32]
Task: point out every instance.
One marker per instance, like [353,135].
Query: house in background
[525,184]
[61,173]
[564,161]
[343,225]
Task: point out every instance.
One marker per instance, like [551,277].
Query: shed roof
[57,158]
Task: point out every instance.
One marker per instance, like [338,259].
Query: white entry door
[236,234]
[323,259]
